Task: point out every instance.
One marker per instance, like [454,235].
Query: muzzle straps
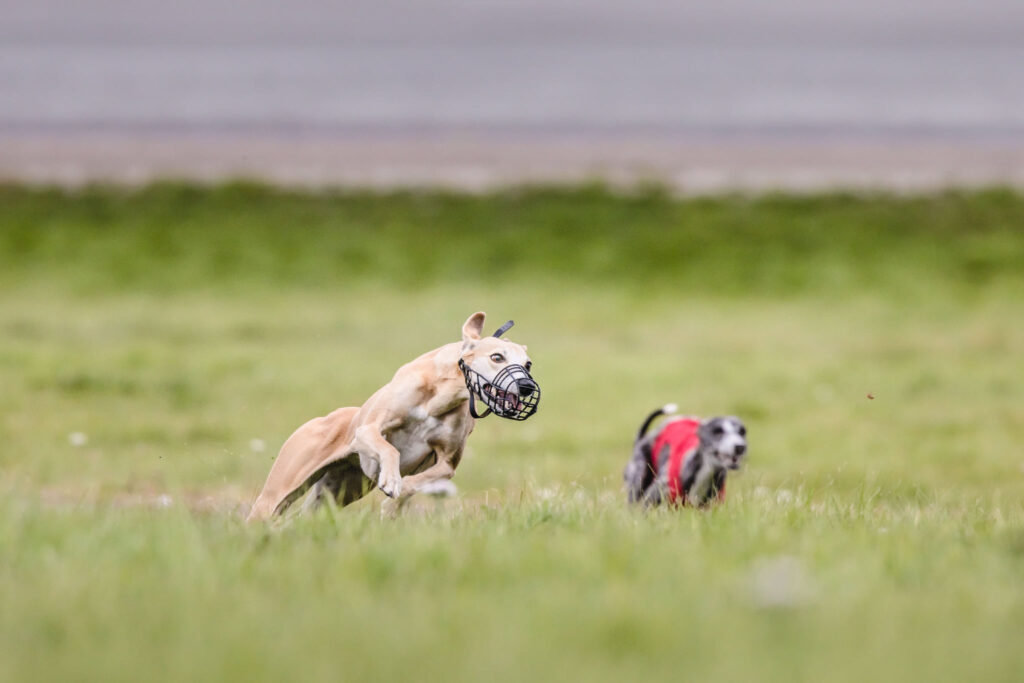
[504,328]
[472,393]
[472,402]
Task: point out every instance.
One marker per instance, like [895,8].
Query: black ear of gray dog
[725,440]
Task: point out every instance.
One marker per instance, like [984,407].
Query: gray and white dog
[685,462]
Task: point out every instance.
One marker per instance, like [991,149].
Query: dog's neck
[446,364]
[706,451]
[450,389]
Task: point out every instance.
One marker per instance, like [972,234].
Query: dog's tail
[667,409]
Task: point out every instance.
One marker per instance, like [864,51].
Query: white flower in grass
[781,581]
[164,500]
[442,488]
[257,445]
[78,439]
[547,493]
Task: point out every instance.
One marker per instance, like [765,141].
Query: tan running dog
[411,433]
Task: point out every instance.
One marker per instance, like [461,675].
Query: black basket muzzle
[512,393]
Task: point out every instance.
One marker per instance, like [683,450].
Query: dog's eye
[743,431]
[717,431]
[497,358]
[528,365]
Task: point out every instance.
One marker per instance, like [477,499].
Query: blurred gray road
[618,83]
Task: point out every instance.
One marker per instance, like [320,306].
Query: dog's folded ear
[473,327]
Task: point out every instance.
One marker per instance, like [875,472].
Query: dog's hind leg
[327,487]
[342,481]
[355,486]
[318,492]
[638,474]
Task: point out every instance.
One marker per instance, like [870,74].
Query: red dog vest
[681,438]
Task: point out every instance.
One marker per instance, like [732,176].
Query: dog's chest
[420,434]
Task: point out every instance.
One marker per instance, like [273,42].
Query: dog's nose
[740,448]
[526,387]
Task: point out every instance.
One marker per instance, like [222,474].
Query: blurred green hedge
[178,235]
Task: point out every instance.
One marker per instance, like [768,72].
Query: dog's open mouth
[512,393]
[505,400]
[732,462]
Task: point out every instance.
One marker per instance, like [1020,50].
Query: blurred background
[700,95]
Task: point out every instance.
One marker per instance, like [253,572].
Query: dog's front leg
[654,494]
[370,443]
[442,469]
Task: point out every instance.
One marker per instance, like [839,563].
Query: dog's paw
[390,483]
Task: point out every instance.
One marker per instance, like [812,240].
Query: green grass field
[158,345]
